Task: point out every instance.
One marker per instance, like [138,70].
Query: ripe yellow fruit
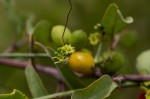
[82,62]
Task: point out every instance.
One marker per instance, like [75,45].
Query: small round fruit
[111,62]
[78,39]
[56,35]
[82,62]
[143,63]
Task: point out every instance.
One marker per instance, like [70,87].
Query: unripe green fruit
[78,39]
[143,63]
[111,61]
[143,67]
[56,35]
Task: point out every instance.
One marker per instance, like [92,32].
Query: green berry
[111,61]
[56,35]
[143,63]
[78,39]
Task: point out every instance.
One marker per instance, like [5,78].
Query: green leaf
[41,32]
[99,89]
[72,81]
[29,25]
[35,84]
[113,20]
[14,95]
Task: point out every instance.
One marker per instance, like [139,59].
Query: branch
[134,78]
[22,64]
[53,72]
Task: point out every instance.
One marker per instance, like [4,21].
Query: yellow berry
[82,62]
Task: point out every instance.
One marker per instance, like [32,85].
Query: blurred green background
[85,14]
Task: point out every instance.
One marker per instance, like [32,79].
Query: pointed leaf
[72,81]
[14,95]
[100,89]
[113,20]
[41,32]
[35,84]
[29,25]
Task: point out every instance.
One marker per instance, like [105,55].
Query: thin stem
[45,48]
[60,87]
[129,85]
[67,21]
[31,46]
[61,94]
[98,52]
[23,55]
[117,40]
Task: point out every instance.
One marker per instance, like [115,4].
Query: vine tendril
[67,21]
